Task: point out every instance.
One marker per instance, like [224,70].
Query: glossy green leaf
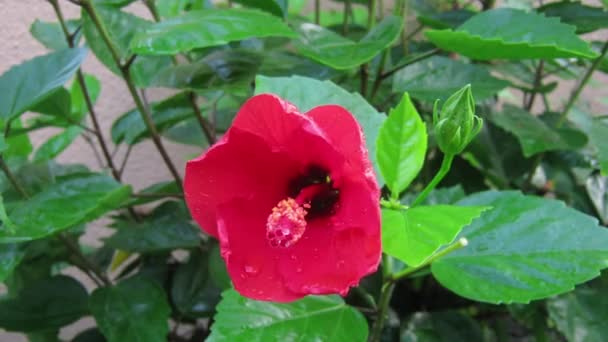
[439,77]
[413,235]
[46,304]
[211,27]
[10,257]
[217,69]
[121,27]
[166,229]
[275,7]
[58,103]
[581,314]
[401,146]
[70,201]
[525,248]
[51,35]
[79,107]
[174,8]
[167,187]
[135,309]
[130,128]
[330,48]
[512,34]
[533,134]
[319,318]
[441,326]
[598,136]
[307,93]
[26,84]
[585,18]
[218,273]
[57,144]
[192,292]
[444,20]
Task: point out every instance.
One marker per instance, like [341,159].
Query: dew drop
[251,270]
[299,270]
[340,263]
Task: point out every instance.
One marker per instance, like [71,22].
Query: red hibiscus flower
[292,198]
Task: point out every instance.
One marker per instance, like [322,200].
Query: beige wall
[145,165]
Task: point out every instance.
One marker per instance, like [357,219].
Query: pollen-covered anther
[286,223]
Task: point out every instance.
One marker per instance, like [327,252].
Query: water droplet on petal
[299,270]
[251,270]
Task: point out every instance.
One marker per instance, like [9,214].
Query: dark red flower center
[310,195]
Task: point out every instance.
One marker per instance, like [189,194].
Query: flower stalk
[125,71]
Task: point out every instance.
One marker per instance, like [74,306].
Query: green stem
[537,83]
[347,10]
[385,299]
[391,280]
[564,115]
[379,70]
[85,262]
[12,178]
[446,164]
[144,112]
[462,242]
[318,12]
[207,127]
[87,96]
[418,58]
[371,10]
[579,89]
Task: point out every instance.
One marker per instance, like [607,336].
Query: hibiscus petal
[328,261]
[284,128]
[252,263]
[241,165]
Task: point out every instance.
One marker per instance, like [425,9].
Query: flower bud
[457,123]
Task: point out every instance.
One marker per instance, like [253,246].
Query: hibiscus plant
[367,170]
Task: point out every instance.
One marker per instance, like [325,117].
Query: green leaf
[191,291]
[533,134]
[330,48]
[444,20]
[401,146]
[599,138]
[585,18]
[70,201]
[323,318]
[218,273]
[167,187]
[135,309]
[512,34]
[89,335]
[439,77]
[415,234]
[51,35]
[58,103]
[174,8]
[57,144]
[26,84]
[217,69]
[162,231]
[211,27]
[441,326]
[79,107]
[10,257]
[44,305]
[131,129]
[307,93]
[121,27]
[525,248]
[274,7]
[581,314]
